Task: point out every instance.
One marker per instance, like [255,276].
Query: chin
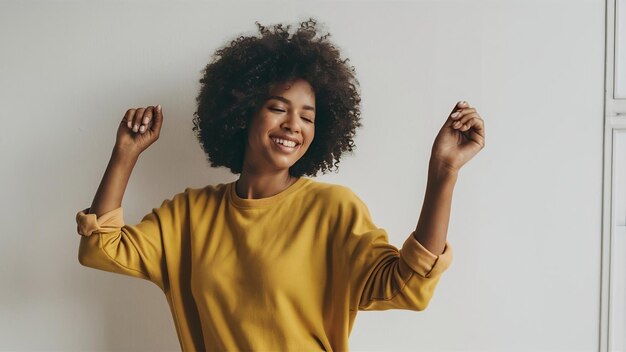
[284,160]
[284,164]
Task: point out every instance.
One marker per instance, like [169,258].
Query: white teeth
[284,142]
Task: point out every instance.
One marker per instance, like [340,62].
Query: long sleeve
[384,277]
[108,244]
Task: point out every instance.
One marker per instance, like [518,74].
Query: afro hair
[238,80]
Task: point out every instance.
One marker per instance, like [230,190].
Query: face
[282,129]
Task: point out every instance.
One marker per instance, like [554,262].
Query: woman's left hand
[461,137]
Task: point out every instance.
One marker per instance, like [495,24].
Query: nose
[291,123]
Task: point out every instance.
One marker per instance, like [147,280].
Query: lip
[286,138]
[283,148]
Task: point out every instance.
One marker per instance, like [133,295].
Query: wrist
[441,172]
[122,155]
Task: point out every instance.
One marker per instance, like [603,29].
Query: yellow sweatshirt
[283,273]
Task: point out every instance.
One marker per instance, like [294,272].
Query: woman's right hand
[139,129]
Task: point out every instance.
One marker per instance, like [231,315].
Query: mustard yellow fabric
[283,273]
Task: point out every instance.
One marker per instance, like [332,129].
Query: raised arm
[432,227]
[107,243]
[137,131]
[459,140]
[384,277]
[113,184]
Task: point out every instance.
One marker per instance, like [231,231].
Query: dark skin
[137,131]
[266,163]
[459,140]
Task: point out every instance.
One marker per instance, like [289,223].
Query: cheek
[310,139]
[256,134]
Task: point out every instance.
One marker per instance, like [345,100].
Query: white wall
[526,213]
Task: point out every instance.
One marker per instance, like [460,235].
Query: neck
[251,185]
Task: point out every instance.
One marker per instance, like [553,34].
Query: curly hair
[237,81]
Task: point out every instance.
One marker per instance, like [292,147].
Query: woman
[275,260]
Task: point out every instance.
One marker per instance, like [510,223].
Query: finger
[128,117]
[461,108]
[158,119]
[137,119]
[147,116]
[476,127]
[462,112]
[477,133]
[456,107]
[464,119]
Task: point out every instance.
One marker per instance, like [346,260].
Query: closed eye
[279,110]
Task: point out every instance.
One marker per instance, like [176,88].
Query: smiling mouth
[285,145]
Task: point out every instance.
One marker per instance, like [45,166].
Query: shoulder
[205,192]
[343,207]
[328,190]
[192,196]
[335,196]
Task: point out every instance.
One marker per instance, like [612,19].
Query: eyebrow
[285,100]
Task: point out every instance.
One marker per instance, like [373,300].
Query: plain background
[526,213]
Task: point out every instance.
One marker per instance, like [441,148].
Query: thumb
[158,119]
[457,106]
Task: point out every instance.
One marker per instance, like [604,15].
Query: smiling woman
[250,72]
[280,133]
[274,261]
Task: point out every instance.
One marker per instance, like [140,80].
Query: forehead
[296,89]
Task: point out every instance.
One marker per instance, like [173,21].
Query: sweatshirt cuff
[88,224]
[423,261]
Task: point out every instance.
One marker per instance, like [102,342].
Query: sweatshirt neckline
[262,202]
